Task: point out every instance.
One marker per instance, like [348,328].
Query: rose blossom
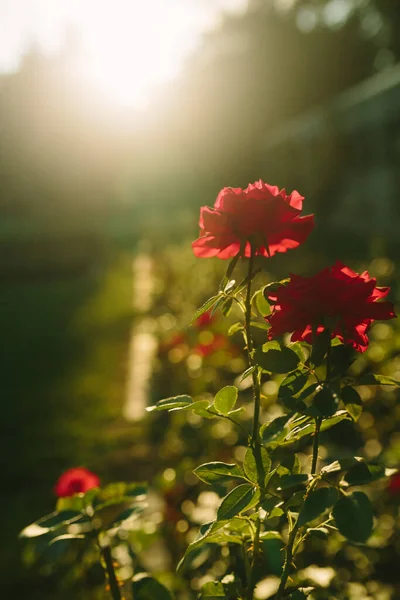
[335,298]
[75,481]
[261,215]
[394,484]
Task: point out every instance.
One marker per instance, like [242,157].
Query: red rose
[76,481]
[261,215]
[394,484]
[336,298]
[204,320]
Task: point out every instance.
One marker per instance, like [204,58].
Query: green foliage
[237,501]
[218,472]
[172,403]
[145,587]
[276,360]
[353,516]
[225,399]
[316,503]
[352,401]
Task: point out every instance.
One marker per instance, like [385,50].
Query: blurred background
[118,120]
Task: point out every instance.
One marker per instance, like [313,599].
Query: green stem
[318,423]
[255,436]
[288,562]
[112,579]
[293,533]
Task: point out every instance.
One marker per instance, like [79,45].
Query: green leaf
[247,372]
[182,401]
[371,379]
[225,399]
[200,408]
[353,516]
[226,306]
[127,516]
[235,328]
[325,403]
[290,386]
[236,501]
[352,401]
[288,481]
[270,503]
[310,389]
[260,325]
[218,472]
[320,347]
[289,465]
[67,537]
[213,589]
[274,431]
[232,265]
[277,361]
[205,307]
[75,503]
[299,432]
[262,304]
[316,503]
[362,473]
[145,587]
[318,532]
[274,286]
[50,522]
[250,465]
[341,358]
[205,534]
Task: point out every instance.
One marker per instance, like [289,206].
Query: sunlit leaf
[218,472]
[236,501]
[250,464]
[371,379]
[170,403]
[225,399]
[205,307]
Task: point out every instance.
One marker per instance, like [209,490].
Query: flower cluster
[263,220]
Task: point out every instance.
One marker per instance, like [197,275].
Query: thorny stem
[255,436]
[318,423]
[112,579]
[293,533]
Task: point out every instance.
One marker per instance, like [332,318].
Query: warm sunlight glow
[126,59]
[129,47]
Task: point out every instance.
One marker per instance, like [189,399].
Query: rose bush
[335,299]
[261,216]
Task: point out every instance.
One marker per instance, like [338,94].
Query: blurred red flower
[261,215]
[394,484]
[204,320]
[335,298]
[75,481]
[215,343]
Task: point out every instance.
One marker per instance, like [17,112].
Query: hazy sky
[129,46]
[43,21]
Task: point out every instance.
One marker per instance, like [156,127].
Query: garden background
[98,206]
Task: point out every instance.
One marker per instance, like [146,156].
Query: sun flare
[128,56]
